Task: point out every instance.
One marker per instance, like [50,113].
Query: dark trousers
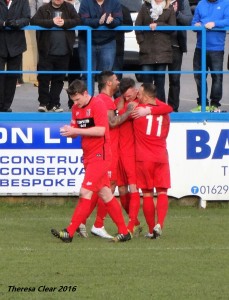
[8,81]
[174,79]
[50,85]
[214,62]
[103,57]
[118,65]
[157,79]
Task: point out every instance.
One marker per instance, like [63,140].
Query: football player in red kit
[89,120]
[108,85]
[126,179]
[152,162]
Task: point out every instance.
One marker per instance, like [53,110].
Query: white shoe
[82,231]
[149,235]
[101,231]
[157,232]
[42,108]
[56,109]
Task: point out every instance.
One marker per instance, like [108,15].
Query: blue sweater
[90,12]
[217,12]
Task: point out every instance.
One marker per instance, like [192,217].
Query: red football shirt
[93,114]
[126,134]
[150,133]
[110,105]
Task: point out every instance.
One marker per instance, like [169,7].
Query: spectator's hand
[102,19]
[209,25]
[109,19]
[198,24]
[153,26]
[175,6]
[12,24]
[141,112]
[58,21]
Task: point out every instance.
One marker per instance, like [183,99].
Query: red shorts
[96,175]
[126,171]
[152,175]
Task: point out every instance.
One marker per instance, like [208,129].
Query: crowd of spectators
[60,50]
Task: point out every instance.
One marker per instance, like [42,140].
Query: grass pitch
[190,261]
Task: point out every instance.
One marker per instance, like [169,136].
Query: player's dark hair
[125,84]
[150,89]
[76,87]
[102,79]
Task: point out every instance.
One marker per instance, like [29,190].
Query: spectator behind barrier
[96,13]
[54,49]
[13,15]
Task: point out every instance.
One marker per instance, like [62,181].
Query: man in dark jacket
[13,16]
[54,49]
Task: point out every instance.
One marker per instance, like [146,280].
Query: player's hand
[130,107]
[67,131]
[140,112]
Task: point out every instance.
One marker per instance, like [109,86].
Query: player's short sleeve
[100,113]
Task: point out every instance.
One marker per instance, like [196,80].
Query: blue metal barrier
[90,72]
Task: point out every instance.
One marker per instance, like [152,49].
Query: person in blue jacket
[211,14]
[97,13]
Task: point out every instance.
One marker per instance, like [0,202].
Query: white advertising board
[36,160]
[199,160]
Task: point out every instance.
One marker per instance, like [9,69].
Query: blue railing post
[203,71]
[89,61]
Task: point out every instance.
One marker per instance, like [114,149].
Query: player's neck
[88,100]
[107,92]
[149,100]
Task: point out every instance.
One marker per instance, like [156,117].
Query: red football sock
[162,208]
[79,215]
[137,222]
[125,200]
[94,200]
[115,212]
[133,210]
[101,214]
[149,212]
